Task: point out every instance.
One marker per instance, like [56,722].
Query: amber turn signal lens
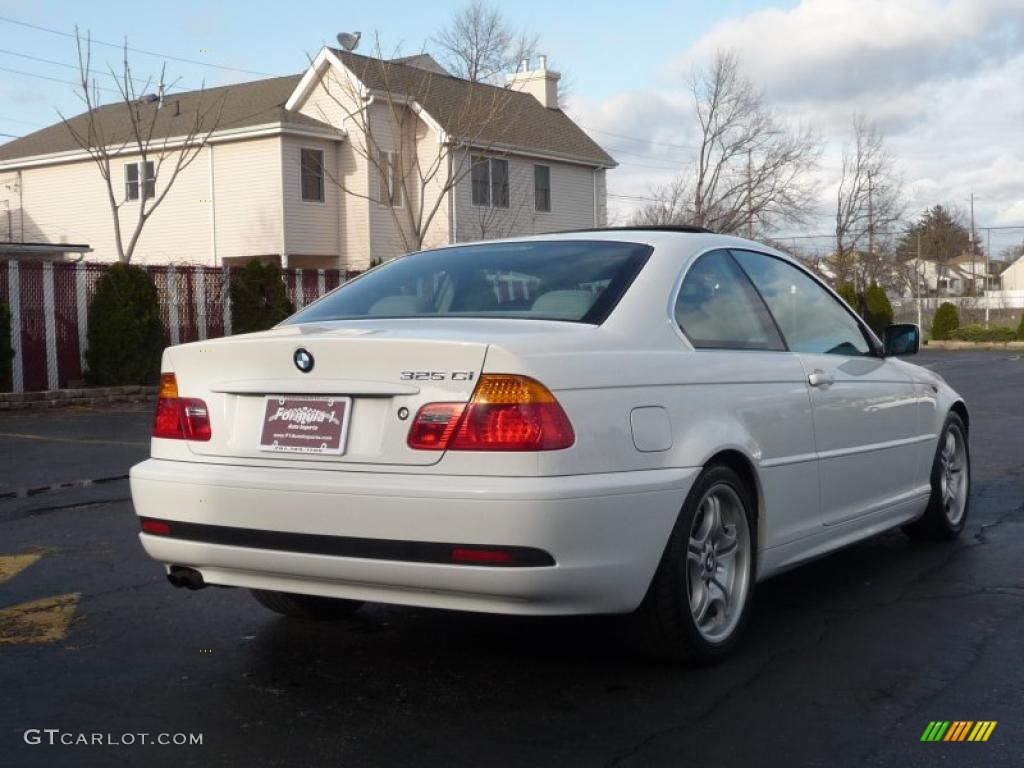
[508,389]
[168,386]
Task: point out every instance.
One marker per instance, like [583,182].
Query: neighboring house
[1012,278]
[269,183]
[962,276]
[967,275]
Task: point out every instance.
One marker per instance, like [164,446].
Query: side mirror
[902,339]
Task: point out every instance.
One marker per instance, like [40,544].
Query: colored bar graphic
[935,730]
[958,730]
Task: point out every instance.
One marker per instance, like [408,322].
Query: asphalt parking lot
[847,661]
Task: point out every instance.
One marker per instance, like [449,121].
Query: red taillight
[481,556]
[179,418]
[433,426]
[506,413]
[158,527]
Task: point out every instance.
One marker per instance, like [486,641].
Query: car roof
[682,240]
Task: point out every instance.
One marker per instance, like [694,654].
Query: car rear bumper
[288,529]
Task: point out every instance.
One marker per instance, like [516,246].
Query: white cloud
[834,49]
[942,80]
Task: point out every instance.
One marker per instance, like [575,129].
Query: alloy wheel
[718,563]
[953,475]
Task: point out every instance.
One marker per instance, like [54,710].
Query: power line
[635,164]
[68,66]
[638,138]
[144,52]
[635,198]
[23,122]
[53,79]
[673,163]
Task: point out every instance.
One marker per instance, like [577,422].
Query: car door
[865,407]
[744,390]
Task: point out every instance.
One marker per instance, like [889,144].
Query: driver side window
[810,318]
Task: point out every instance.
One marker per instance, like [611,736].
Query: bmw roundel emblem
[303,360]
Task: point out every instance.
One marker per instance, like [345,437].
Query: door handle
[820,379]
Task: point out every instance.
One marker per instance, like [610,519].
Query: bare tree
[869,205]
[671,205]
[415,163]
[165,140]
[478,44]
[750,172]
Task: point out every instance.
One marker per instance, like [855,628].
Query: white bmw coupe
[639,421]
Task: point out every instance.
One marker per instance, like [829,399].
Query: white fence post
[226,300]
[321,283]
[50,326]
[299,297]
[14,291]
[81,296]
[199,281]
[172,305]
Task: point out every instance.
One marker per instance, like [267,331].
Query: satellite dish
[349,41]
[149,98]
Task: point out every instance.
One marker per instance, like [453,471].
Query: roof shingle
[514,119]
[520,120]
[244,105]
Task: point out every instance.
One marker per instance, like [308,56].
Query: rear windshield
[578,281]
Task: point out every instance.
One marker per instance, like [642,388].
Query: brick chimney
[541,83]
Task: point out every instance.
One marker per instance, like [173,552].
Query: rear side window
[810,318]
[718,308]
[576,281]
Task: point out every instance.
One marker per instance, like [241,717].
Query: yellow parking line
[39,621]
[12,565]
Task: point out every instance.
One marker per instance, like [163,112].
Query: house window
[481,175]
[312,162]
[389,179]
[499,183]
[490,181]
[132,183]
[542,187]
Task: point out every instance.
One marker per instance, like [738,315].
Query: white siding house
[1012,278]
[245,195]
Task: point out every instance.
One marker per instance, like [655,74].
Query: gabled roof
[244,105]
[516,120]
[519,120]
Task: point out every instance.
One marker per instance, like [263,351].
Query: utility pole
[917,279]
[988,250]
[871,222]
[750,194]
[972,225]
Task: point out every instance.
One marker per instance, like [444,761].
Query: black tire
[935,523]
[664,626]
[306,606]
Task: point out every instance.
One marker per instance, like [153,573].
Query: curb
[1004,346]
[24,493]
[132,393]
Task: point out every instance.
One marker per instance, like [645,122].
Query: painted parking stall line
[43,620]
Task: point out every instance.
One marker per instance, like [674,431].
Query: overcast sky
[943,78]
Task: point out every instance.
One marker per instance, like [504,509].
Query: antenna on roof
[349,41]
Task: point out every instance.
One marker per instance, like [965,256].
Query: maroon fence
[49,311]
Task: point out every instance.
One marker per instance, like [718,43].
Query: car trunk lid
[383,374]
